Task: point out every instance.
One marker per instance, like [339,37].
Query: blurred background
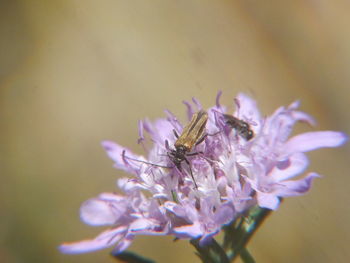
[73,73]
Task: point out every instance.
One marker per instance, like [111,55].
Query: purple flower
[231,174]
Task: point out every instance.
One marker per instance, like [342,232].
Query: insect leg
[167,145]
[201,155]
[193,154]
[189,165]
[201,139]
[175,133]
[205,136]
[216,133]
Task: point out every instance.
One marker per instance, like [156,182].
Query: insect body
[192,135]
[242,128]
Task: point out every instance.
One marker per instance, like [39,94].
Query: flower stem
[238,234]
[210,253]
[246,256]
[236,237]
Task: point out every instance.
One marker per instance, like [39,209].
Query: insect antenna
[145,162]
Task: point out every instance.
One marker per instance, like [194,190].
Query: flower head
[244,160]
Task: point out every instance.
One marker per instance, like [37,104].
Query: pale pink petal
[163,130]
[295,188]
[175,208]
[248,111]
[140,224]
[313,140]
[98,212]
[116,152]
[141,135]
[123,244]
[197,103]
[104,240]
[84,246]
[247,107]
[128,185]
[268,200]
[294,105]
[111,197]
[190,110]
[223,215]
[144,226]
[303,117]
[294,165]
[171,121]
[217,99]
[192,231]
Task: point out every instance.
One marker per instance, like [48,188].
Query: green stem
[211,253]
[238,235]
[246,256]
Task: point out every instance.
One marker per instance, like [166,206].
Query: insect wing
[240,126]
[193,131]
[232,121]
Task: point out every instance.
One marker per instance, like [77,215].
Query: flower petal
[123,244]
[247,107]
[268,200]
[223,215]
[144,226]
[217,100]
[192,231]
[84,246]
[312,140]
[141,224]
[141,135]
[303,117]
[290,167]
[248,111]
[197,103]
[116,152]
[172,120]
[295,188]
[163,130]
[104,240]
[99,212]
[190,110]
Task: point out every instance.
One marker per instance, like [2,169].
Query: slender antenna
[140,161]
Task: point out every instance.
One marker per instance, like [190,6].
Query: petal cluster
[225,175]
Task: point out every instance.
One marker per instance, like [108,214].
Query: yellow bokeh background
[73,73]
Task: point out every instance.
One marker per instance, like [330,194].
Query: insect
[192,135]
[242,128]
